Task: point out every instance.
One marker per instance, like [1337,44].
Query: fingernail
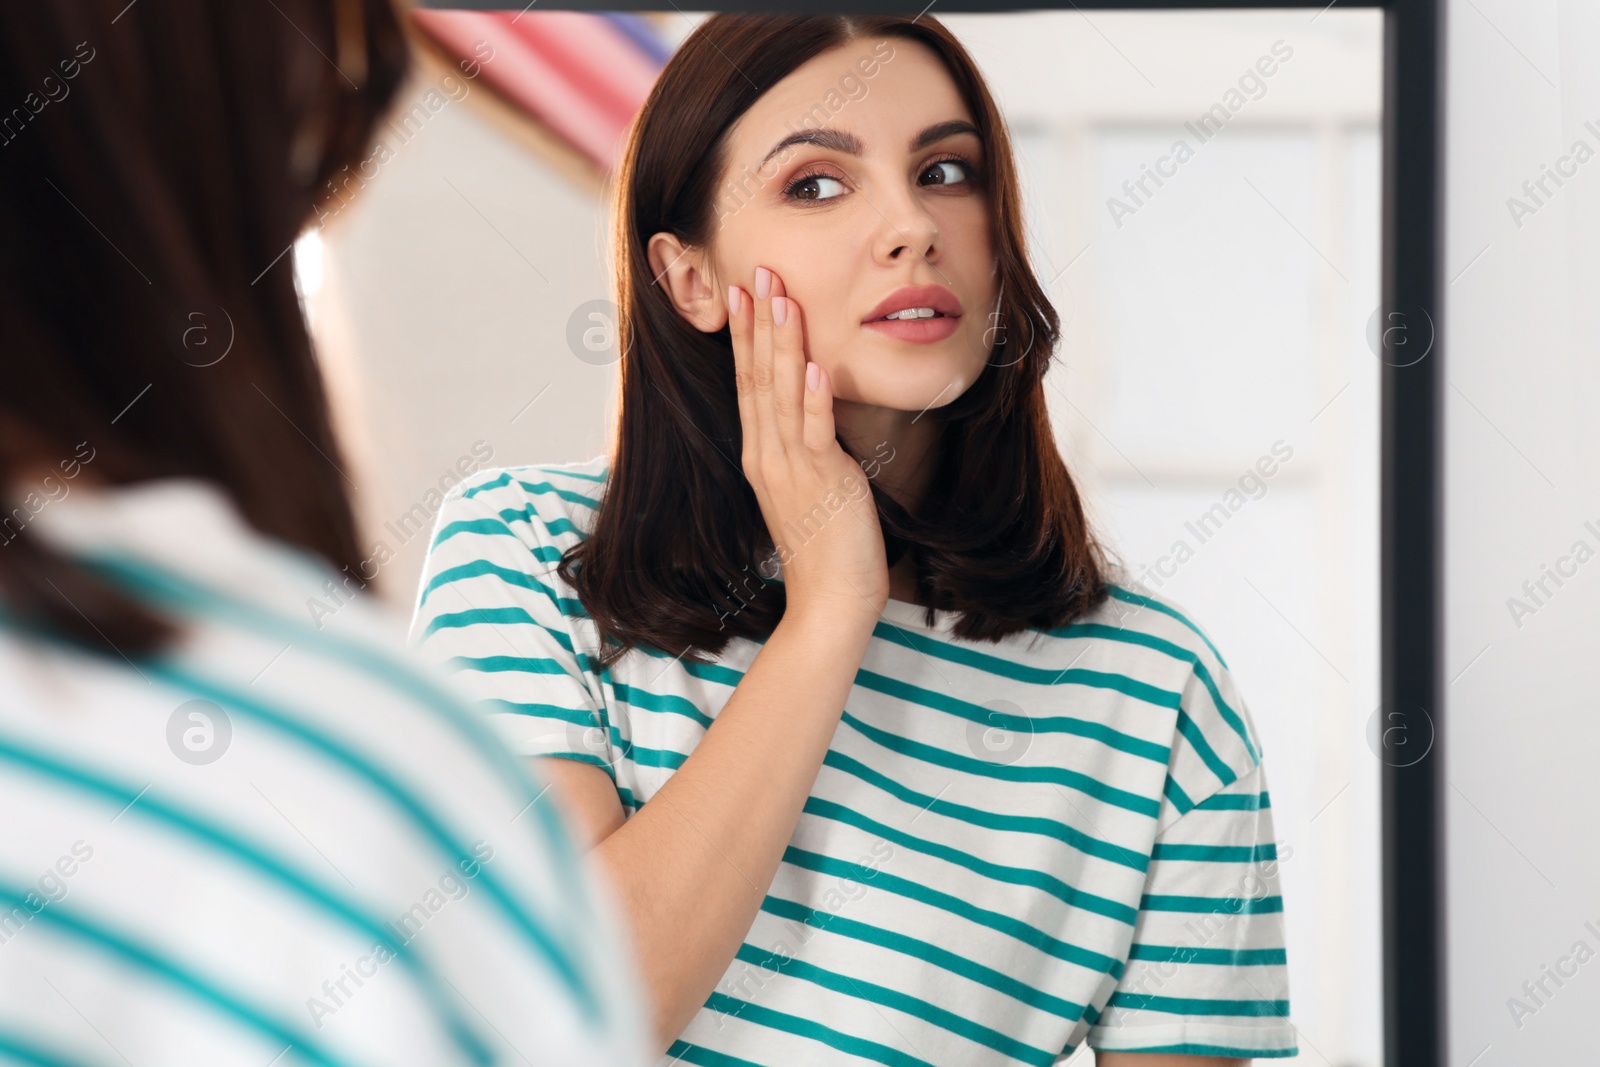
[763,283]
[733,300]
[812,377]
[780,310]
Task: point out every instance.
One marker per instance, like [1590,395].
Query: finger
[739,332]
[789,373]
[761,358]
[819,429]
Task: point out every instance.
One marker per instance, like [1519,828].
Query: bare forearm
[693,865]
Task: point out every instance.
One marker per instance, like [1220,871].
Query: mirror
[1202,205]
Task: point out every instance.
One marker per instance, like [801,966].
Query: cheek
[830,340]
[986,331]
[827,310]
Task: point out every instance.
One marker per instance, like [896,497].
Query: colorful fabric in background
[581,75]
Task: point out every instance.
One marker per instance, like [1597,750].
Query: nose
[906,229]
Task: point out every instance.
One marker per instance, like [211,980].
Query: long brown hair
[675,557]
[160,161]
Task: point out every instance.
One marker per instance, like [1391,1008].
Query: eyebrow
[848,143]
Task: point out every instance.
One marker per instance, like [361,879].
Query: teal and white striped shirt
[1009,850]
[277,842]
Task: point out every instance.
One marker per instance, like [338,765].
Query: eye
[944,166]
[801,184]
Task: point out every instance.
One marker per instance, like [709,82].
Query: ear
[684,274]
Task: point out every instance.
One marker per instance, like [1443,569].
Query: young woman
[233,836]
[890,764]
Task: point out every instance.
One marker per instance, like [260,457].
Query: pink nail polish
[780,310]
[763,283]
[733,300]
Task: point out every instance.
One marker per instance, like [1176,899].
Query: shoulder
[500,534]
[1154,619]
[325,731]
[558,500]
[1215,742]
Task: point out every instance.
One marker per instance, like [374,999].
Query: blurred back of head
[157,160]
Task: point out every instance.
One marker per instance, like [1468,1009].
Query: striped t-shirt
[277,842]
[1010,849]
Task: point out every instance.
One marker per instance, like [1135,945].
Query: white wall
[1522,737]
[447,287]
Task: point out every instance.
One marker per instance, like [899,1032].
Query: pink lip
[920,331]
[936,297]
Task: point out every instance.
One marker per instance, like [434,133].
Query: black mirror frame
[1411,472]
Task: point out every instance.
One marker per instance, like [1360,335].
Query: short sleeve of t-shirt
[1207,972]
[490,612]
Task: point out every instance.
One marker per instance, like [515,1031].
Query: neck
[897,447]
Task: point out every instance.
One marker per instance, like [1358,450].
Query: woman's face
[890,198]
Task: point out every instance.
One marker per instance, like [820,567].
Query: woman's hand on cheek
[807,485]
